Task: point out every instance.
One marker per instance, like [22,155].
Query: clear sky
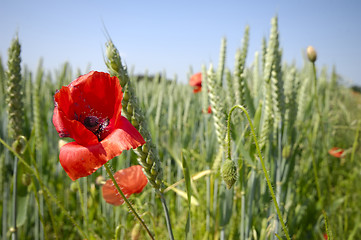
[173,35]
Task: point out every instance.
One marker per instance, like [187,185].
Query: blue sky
[174,35]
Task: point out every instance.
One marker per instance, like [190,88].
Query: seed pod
[229,173]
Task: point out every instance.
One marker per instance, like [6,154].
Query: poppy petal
[98,91]
[336,152]
[130,180]
[81,161]
[197,89]
[196,80]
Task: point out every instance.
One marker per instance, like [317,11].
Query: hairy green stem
[262,163]
[107,168]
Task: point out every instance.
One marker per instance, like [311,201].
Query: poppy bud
[229,173]
[311,54]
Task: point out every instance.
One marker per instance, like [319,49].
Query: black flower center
[90,122]
[97,126]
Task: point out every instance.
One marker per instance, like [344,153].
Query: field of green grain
[263,171]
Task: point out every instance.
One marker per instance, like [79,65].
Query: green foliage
[278,93]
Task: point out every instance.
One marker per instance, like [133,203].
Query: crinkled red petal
[97,92]
[81,161]
[130,180]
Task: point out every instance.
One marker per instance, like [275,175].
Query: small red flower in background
[336,152]
[130,180]
[89,111]
[209,109]
[196,82]
[325,236]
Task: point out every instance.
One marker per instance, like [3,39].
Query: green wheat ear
[14,97]
[221,61]
[217,106]
[240,83]
[147,154]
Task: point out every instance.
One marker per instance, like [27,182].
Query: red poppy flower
[196,82]
[325,236]
[130,180]
[336,152]
[89,111]
[209,109]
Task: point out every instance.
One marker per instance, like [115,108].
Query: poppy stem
[263,166]
[107,168]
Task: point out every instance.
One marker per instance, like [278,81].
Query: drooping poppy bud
[229,173]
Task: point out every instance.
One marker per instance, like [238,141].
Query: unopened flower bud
[311,54]
[229,173]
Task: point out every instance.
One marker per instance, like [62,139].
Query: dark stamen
[90,122]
